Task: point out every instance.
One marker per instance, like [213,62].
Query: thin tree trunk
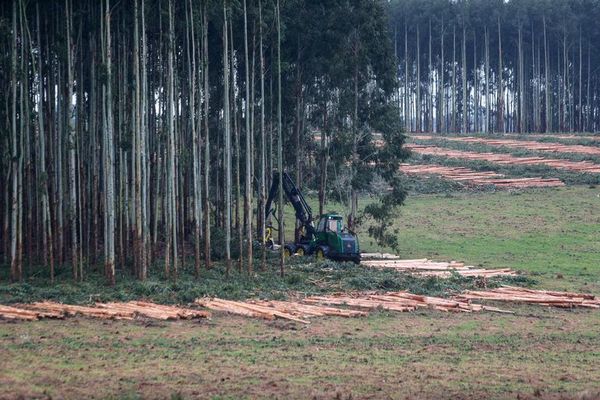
[195,139]
[487,82]
[71,116]
[207,255]
[227,147]
[248,183]
[16,270]
[500,110]
[262,189]
[280,145]
[548,106]
[465,100]
[109,166]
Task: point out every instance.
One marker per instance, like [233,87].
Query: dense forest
[497,66]
[140,133]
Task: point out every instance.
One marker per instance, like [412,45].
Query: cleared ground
[552,234]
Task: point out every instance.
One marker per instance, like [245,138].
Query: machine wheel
[300,251]
[289,250]
[320,254]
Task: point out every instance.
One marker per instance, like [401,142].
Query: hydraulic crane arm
[294,196]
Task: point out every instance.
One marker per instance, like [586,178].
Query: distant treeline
[496,66]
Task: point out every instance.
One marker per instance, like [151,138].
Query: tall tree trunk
[547,87]
[487,81]
[196,149]
[442,124]
[418,82]
[206,93]
[248,182]
[465,100]
[500,111]
[72,135]
[280,145]
[407,121]
[430,86]
[16,270]
[171,191]
[227,131]
[262,186]
[453,122]
[521,127]
[109,159]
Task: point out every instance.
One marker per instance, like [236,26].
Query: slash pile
[128,311]
[540,297]
[426,267]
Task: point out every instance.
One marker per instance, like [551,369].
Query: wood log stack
[479,178]
[15,313]
[293,311]
[540,297]
[557,136]
[154,311]
[399,301]
[522,144]
[506,159]
[318,306]
[127,311]
[426,267]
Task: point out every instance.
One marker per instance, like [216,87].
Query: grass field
[552,235]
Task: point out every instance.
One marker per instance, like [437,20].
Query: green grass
[390,355]
[547,232]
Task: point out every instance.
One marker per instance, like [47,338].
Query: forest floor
[550,234]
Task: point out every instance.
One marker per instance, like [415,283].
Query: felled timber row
[507,159]
[307,310]
[379,256]
[399,301]
[558,136]
[128,311]
[317,306]
[468,176]
[540,297]
[522,144]
[426,267]
[15,313]
[155,311]
[293,311]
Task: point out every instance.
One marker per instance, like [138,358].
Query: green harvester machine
[330,239]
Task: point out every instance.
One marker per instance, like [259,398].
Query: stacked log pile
[479,178]
[558,136]
[293,311]
[127,311]
[426,267]
[530,296]
[522,144]
[154,311]
[399,301]
[15,313]
[507,159]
